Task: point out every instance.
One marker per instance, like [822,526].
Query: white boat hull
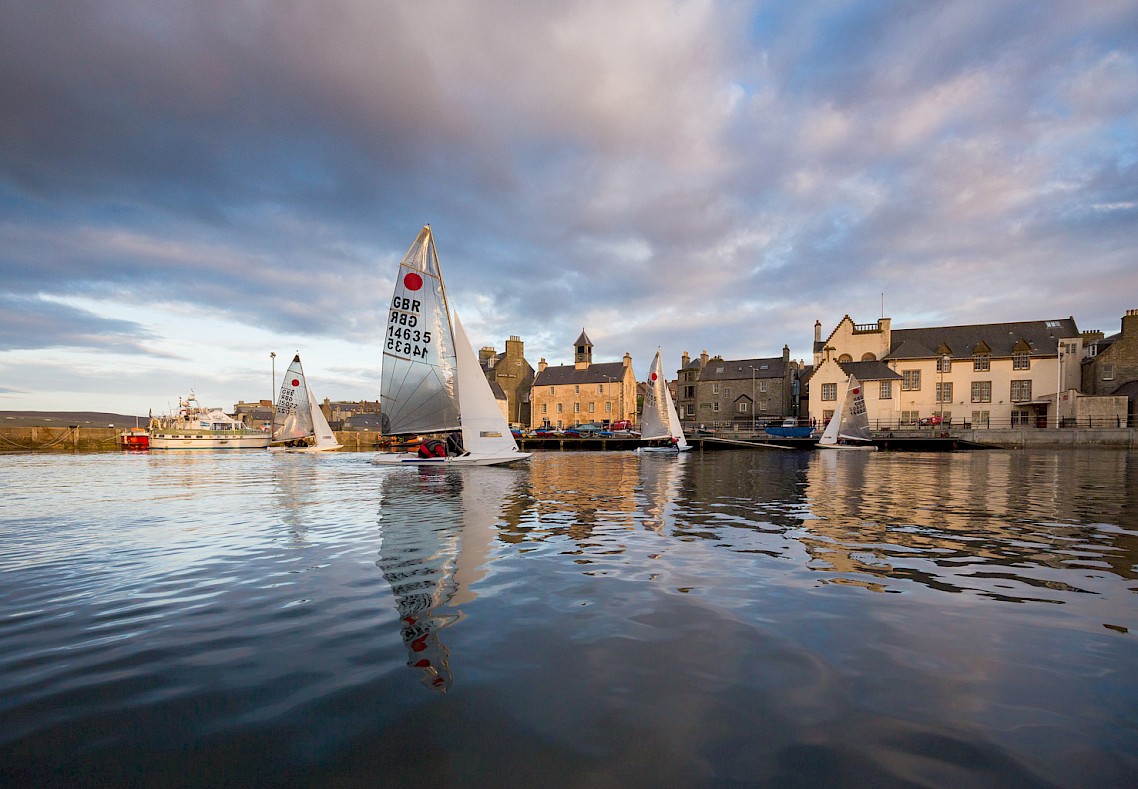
[665,450]
[854,447]
[208,441]
[330,448]
[412,458]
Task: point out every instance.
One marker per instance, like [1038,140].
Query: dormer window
[982,362]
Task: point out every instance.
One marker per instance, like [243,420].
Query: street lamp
[273,391]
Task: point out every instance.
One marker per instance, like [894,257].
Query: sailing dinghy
[660,423]
[298,423]
[848,428]
[431,381]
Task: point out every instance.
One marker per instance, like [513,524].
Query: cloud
[679,173]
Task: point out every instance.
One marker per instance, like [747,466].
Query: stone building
[514,375]
[993,374]
[1110,364]
[571,394]
[736,394]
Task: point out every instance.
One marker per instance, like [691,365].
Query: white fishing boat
[195,427]
[848,428]
[432,383]
[298,423]
[660,424]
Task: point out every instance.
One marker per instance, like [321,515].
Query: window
[868,357]
[576,408]
[715,388]
[1108,372]
[944,364]
[982,362]
[543,408]
[1021,417]
[827,416]
[551,390]
[559,408]
[1021,360]
[577,389]
[762,386]
[608,406]
[600,388]
[944,392]
[886,391]
[829,391]
[742,406]
[715,406]
[762,405]
[844,358]
[910,380]
[689,392]
[980,418]
[727,391]
[981,391]
[592,408]
[910,417]
[1021,391]
[691,409]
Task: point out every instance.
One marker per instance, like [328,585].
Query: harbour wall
[105,439]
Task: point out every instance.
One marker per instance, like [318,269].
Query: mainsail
[292,417]
[655,423]
[850,420]
[418,392]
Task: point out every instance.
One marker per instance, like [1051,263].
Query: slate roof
[736,369]
[869,371]
[499,392]
[1001,338]
[583,340]
[602,373]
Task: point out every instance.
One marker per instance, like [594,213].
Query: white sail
[432,381]
[855,420]
[417,385]
[321,430]
[850,421]
[292,418]
[484,429]
[659,418]
[653,422]
[830,434]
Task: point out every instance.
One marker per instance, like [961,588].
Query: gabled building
[514,377]
[572,394]
[735,394]
[993,374]
[1110,364]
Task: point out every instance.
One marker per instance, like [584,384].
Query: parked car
[579,431]
[930,420]
[621,424]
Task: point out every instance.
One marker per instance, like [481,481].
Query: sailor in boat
[436,448]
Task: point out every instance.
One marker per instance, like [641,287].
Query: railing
[865,328]
[924,425]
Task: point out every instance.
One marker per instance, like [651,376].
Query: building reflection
[942,520]
[437,529]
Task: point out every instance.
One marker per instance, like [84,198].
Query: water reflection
[437,529]
[1008,526]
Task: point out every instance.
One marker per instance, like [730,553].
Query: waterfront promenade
[75,438]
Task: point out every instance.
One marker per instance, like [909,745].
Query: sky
[188,187]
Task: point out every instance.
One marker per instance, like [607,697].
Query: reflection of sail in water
[437,527]
[660,480]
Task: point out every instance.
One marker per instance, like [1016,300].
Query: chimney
[542,365]
[1130,324]
[685,360]
[703,360]
[786,353]
[817,331]
[627,359]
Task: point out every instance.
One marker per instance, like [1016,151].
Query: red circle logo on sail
[295,382]
[653,376]
[412,281]
[857,391]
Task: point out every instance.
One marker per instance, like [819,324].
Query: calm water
[586,619]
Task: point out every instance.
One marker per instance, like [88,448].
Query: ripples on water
[594,619]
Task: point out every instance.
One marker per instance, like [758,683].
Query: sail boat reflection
[437,528]
[659,487]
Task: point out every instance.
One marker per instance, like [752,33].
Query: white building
[992,374]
